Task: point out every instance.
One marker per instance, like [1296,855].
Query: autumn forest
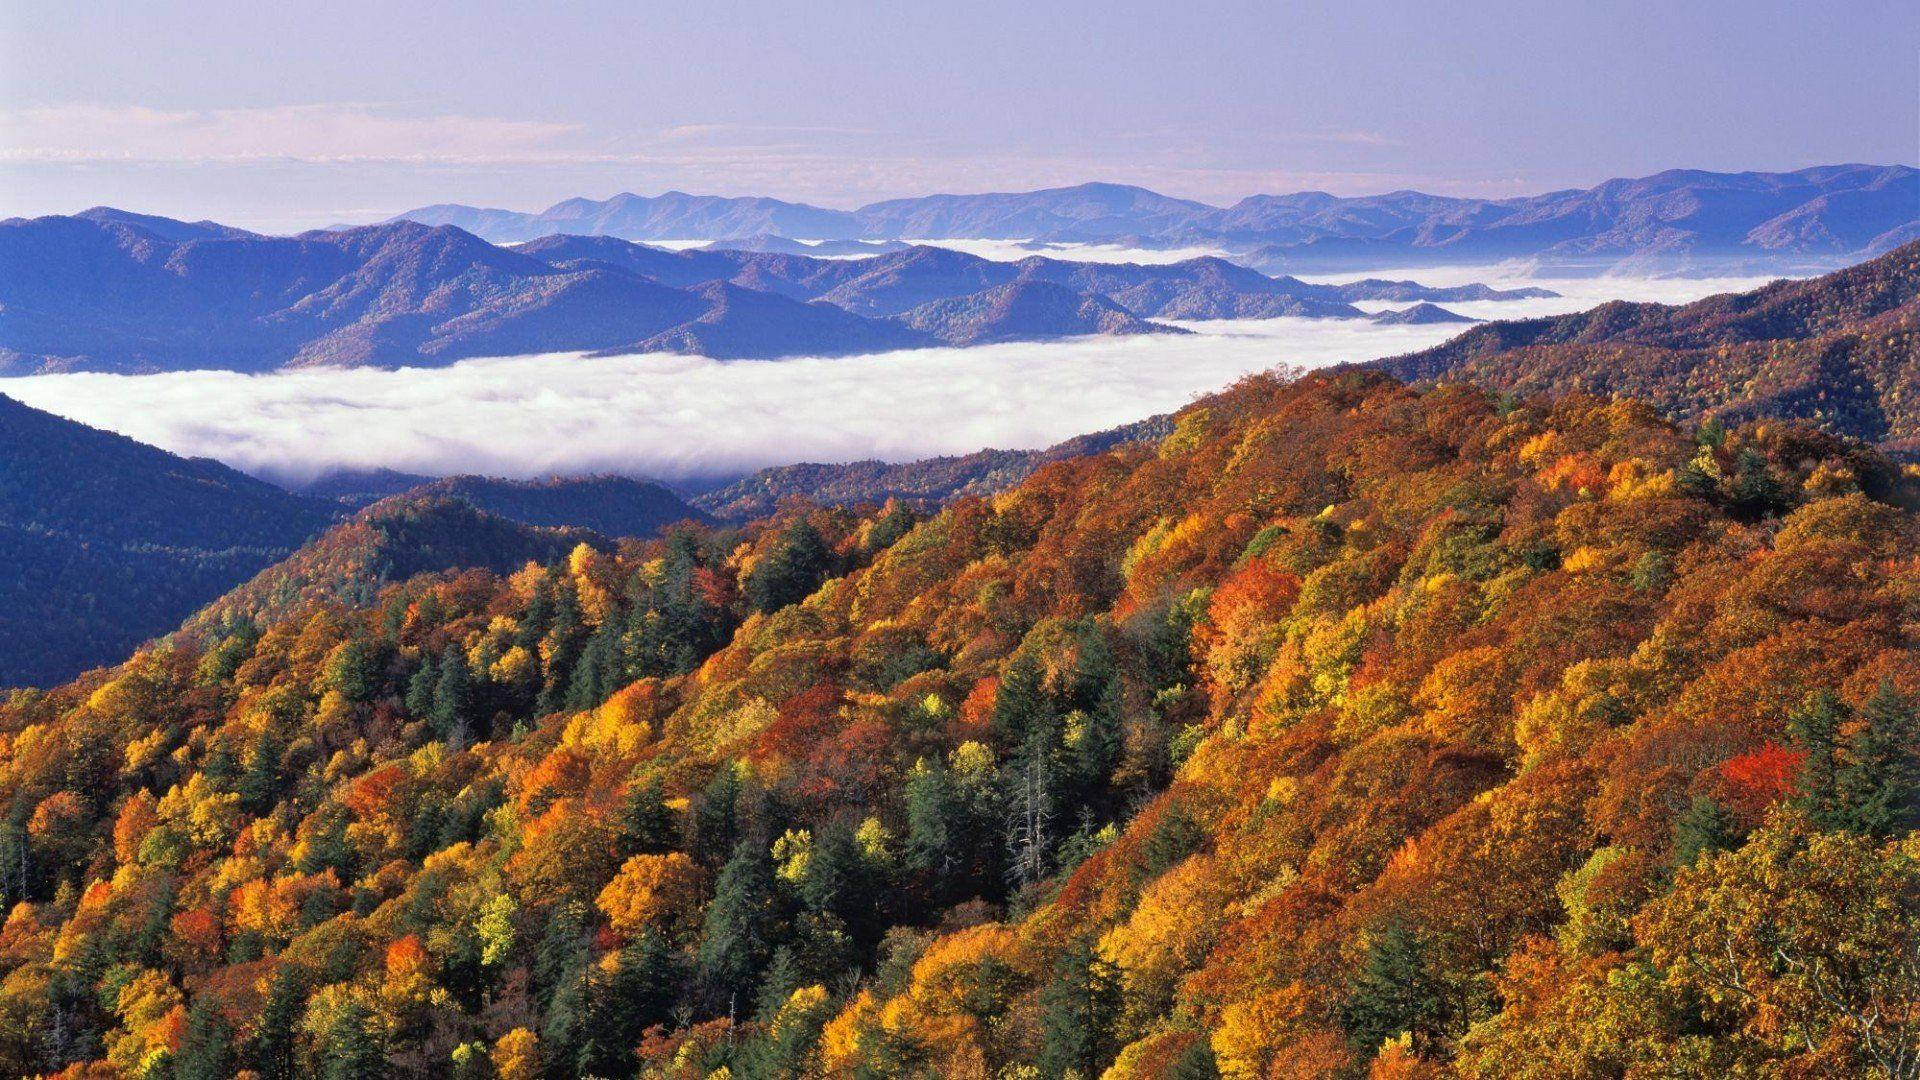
[1342,727]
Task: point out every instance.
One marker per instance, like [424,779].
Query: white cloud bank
[680,417]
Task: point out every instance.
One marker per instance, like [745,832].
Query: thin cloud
[321,132]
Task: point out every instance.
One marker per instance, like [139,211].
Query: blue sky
[285,116]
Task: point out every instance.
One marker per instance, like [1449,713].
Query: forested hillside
[106,542]
[1348,730]
[1841,351]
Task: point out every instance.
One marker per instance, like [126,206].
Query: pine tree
[936,823]
[714,824]
[1021,702]
[646,825]
[1815,728]
[206,1049]
[1876,788]
[799,561]
[597,675]
[1198,1063]
[269,1050]
[736,939]
[452,698]
[354,1048]
[420,688]
[1078,1011]
[1705,828]
[1393,992]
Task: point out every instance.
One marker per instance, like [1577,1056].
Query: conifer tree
[1705,828]
[452,698]
[270,1048]
[206,1048]
[1815,728]
[1394,992]
[354,1048]
[1878,784]
[736,939]
[420,688]
[646,825]
[1078,1011]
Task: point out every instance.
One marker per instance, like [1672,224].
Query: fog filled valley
[690,418]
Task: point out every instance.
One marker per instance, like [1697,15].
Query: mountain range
[107,290]
[1682,219]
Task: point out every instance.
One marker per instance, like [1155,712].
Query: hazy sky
[290,115]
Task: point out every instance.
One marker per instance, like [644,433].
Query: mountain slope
[1841,350]
[109,542]
[1026,311]
[613,506]
[928,484]
[1352,729]
[392,540]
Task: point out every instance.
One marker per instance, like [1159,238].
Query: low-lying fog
[684,417]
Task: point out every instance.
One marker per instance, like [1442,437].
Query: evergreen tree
[420,688]
[1876,787]
[1705,828]
[206,1049]
[1021,703]
[1815,728]
[453,698]
[714,824]
[737,937]
[646,825]
[538,617]
[260,780]
[597,674]
[936,826]
[565,637]
[798,562]
[1393,992]
[354,1048]
[1078,1011]
[563,950]
[1197,1063]
[837,883]
[270,1049]
[640,992]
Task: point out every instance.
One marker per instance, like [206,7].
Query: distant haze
[282,117]
[683,417]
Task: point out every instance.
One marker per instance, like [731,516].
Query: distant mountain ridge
[121,292]
[1681,218]
[929,483]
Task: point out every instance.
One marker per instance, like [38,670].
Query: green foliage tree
[1394,992]
[1078,1011]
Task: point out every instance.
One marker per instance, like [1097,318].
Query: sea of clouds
[688,417]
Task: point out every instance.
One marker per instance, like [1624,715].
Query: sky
[284,116]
